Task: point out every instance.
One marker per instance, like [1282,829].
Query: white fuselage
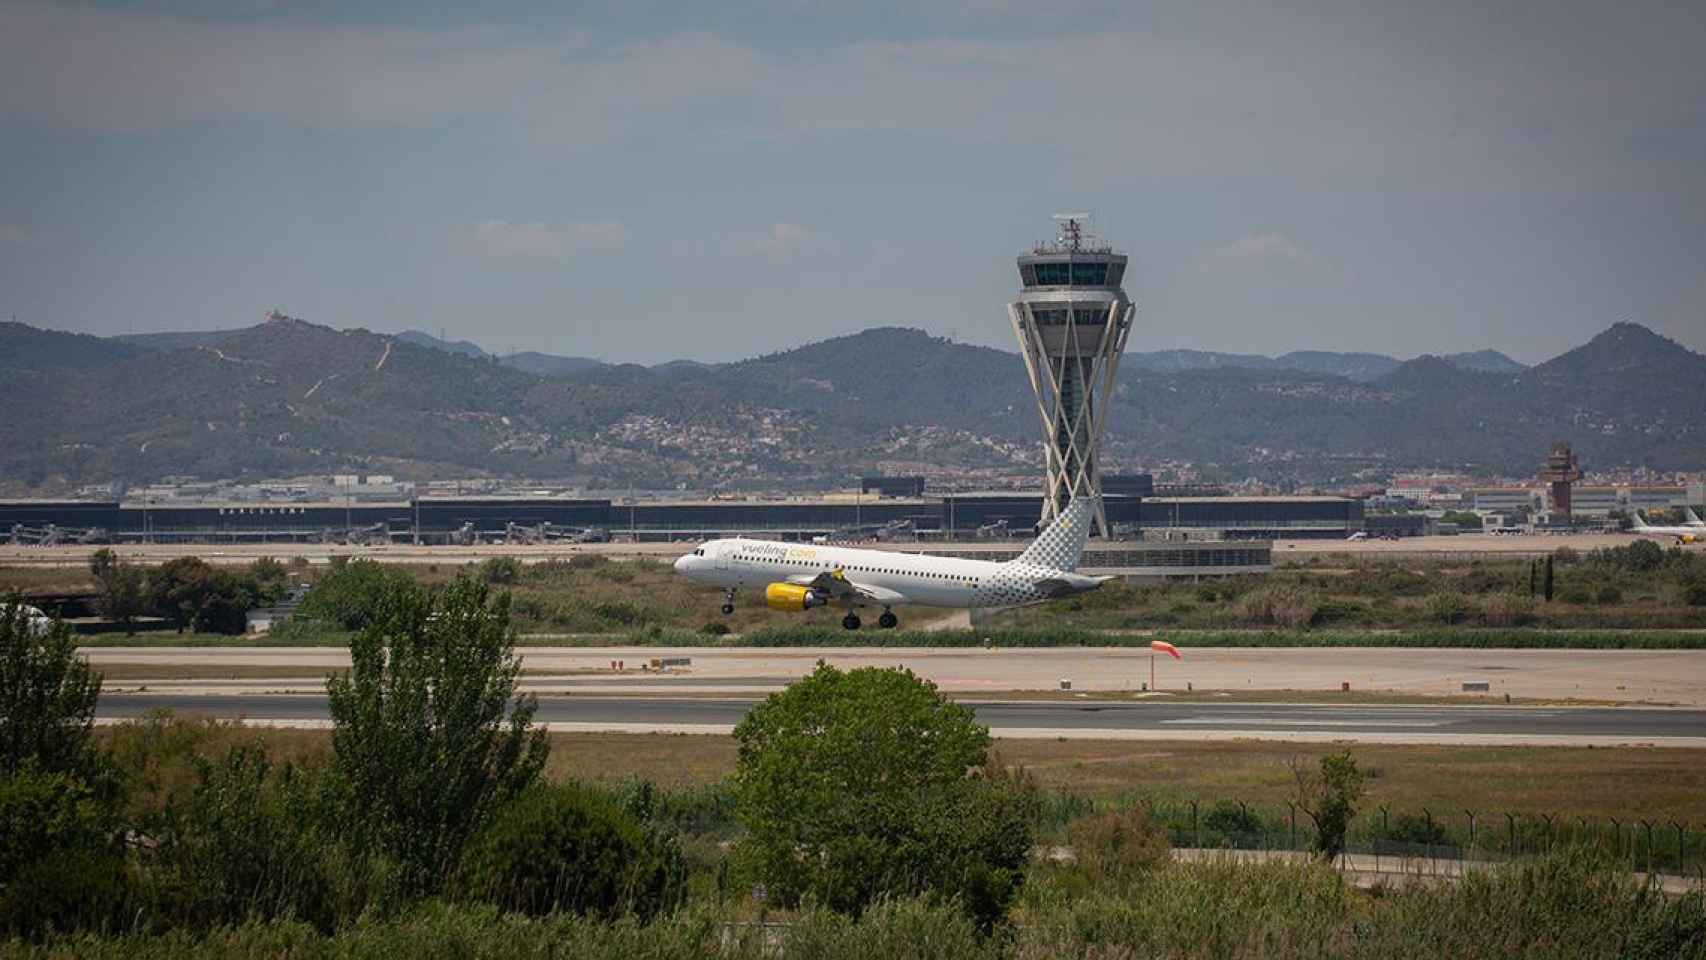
[921,579]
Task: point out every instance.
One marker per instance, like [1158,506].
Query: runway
[1147,720]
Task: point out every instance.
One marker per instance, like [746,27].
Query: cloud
[12,235]
[778,241]
[545,241]
[1444,94]
[1266,246]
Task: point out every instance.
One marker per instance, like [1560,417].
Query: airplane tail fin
[1061,545]
[1639,521]
[1693,518]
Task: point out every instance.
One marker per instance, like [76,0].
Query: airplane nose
[681,563]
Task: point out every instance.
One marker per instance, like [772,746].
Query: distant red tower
[1561,471]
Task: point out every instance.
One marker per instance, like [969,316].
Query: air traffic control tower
[1072,318]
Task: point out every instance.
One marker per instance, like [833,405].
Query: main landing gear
[888,621]
[728,601]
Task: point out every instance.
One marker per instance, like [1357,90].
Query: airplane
[799,576]
[1693,521]
[1684,534]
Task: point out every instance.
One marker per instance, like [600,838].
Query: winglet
[1061,545]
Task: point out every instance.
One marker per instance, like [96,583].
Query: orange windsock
[1166,648]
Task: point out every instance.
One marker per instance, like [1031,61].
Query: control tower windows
[1075,274]
[1054,274]
[1089,274]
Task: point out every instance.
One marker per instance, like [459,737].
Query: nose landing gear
[728,601]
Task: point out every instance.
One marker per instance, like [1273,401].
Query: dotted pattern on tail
[1062,545]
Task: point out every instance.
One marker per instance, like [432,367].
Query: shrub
[47,696]
[856,786]
[1415,830]
[1608,594]
[571,849]
[246,845]
[1508,610]
[501,570]
[1695,594]
[1281,605]
[1232,820]
[1329,797]
[60,864]
[1115,848]
[714,628]
[429,735]
[1447,608]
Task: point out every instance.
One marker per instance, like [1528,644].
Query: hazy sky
[643,181]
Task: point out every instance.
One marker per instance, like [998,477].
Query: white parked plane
[1683,534]
[798,576]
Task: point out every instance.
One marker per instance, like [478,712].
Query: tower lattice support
[1072,368]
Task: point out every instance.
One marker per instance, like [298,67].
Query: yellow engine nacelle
[792,598]
[1687,538]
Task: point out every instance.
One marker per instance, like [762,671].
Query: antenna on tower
[1072,231]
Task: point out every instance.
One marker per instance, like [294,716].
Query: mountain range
[1364,367]
[288,396]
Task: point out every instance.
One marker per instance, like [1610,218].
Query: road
[1148,720]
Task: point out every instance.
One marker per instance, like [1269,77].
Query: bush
[1231,820]
[1329,797]
[501,570]
[247,844]
[1115,848]
[1608,595]
[714,628]
[1447,608]
[47,696]
[1281,605]
[1695,594]
[857,786]
[61,866]
[352,594]
[571,849]
[1415,830]
[429,736]
[1508,610]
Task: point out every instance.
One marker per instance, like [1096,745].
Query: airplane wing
[836,584]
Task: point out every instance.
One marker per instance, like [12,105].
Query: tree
[429,736]
[352,594]
[124,588]
[864,784]
[190,592]
[1329,798]
[47,696]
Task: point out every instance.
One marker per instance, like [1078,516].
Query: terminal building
[956,516]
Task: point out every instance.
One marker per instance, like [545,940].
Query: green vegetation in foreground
[426,830]
[1564,907]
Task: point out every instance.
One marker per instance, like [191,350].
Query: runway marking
[1272,722]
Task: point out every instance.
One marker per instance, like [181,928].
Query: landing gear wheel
[728,601]
[851,621]
[888,621]
[728,608]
